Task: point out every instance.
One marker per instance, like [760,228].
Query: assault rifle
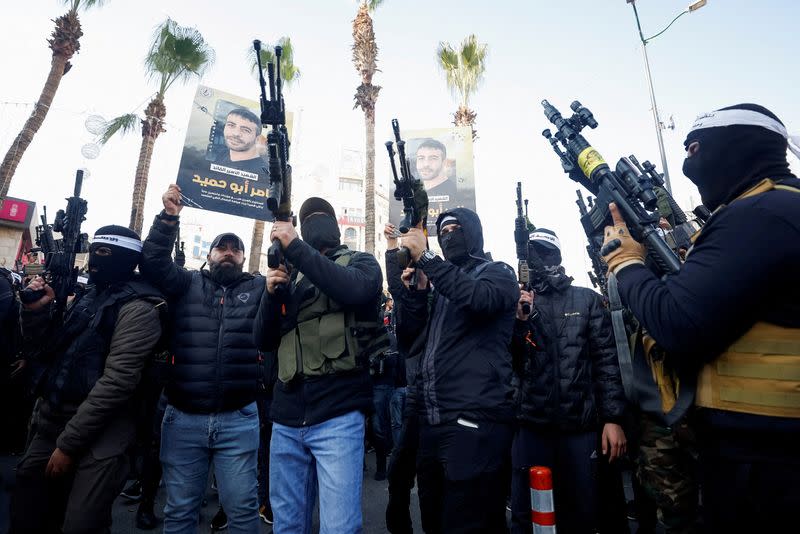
[60,272]
[521,240]
[406,189]
[636,201]
[680,236]
[598,273]
[273,115]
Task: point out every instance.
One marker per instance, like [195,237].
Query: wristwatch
[425,258]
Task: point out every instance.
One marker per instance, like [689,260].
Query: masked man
[571,395]
[323,322]
[734,311]
[464,393]
[89,370]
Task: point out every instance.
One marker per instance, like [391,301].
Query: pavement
[375,496]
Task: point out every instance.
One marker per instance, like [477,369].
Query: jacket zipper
[219,347]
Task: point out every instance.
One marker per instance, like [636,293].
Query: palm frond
[83,5]
[289,71]
[372,5]
[122,125]
[177,53]
[463,67]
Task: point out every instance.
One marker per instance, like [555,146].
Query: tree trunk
[369,183]
[152,126]
[32,125]
[140,182]
[254,263]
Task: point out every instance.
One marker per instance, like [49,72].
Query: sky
[728,52]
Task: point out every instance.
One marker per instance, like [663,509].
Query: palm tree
[365,58]
[289,74]
[464,70]
[65,43]
[176,53]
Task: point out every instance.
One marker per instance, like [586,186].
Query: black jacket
[566,361]
[465,370]
[409,346]
[215,364]
[742,269]
[314,400]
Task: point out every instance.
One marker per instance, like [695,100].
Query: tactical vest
[760,372]
[79,355]
[328,339]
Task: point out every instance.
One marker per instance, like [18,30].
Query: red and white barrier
[543,513]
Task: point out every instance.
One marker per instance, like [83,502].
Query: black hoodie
[465,370]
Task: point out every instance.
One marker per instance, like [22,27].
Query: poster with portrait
[442,159]
[224,162]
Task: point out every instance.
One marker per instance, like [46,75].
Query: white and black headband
[746,117]
[120,241]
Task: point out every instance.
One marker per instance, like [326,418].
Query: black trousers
[749,480]
[572,458]
[461,472]
[401,474]
[79,502]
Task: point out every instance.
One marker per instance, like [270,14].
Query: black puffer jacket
[215,364]
[566,362]
[465,367]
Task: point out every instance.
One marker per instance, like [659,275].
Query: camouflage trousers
[667,470]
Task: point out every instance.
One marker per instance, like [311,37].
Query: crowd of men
[468,379]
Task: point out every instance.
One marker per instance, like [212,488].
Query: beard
[225,272]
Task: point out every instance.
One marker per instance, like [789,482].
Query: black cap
[227,237]
[315,205]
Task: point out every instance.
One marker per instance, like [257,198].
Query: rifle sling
[621,339]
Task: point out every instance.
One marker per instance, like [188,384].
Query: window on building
[197,239]
[351,184]
[196,252]
[351,238]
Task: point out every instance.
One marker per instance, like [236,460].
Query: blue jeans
[189,443]
[329,454]
[396,407]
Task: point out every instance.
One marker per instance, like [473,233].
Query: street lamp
[694,6]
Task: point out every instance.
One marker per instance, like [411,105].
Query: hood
[471,226]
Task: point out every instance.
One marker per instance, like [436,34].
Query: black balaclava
[546,245]
[732,159]
[321,231]
[126,250]
[454,243]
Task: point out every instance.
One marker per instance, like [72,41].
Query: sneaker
[220,521]
[133,492]
[508,504]
[631,511]
[265,513]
